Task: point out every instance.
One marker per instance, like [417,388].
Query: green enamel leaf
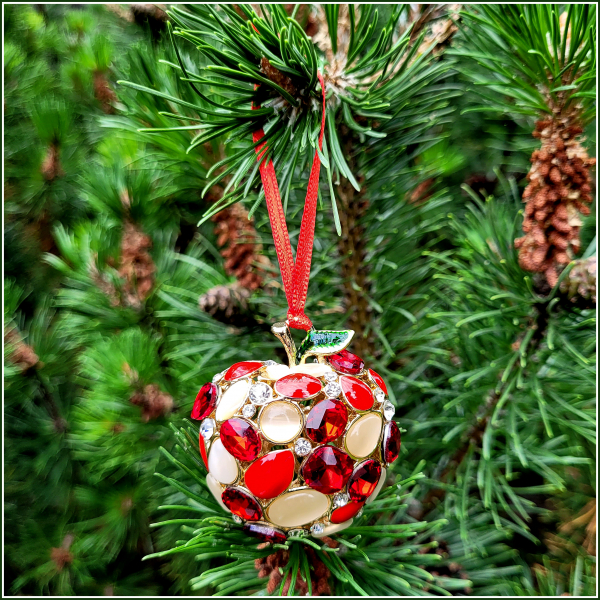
[322,343]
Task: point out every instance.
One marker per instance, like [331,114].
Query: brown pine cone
[557,194]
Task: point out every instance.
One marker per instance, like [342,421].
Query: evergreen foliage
[129,284]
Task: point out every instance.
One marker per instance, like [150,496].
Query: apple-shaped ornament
[299,448]
[296,448]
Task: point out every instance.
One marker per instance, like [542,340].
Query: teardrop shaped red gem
[271,474]
[240,439]
[265,532]
[364,480]
[346,362]
[326,421]
[242,369]
[242,504]
[299,386]
[343,513]
[357,393]
[378,379]
[202,446]
[391,442]
[205,401]
[327,469]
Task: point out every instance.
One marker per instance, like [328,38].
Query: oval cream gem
[275,372]
[215,490]
[314,369]
[232,400]
[298,508]
[380,483]
[333,528]
[363,436]
[280,421]
[221,465]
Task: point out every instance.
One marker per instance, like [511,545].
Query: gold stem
[282,332]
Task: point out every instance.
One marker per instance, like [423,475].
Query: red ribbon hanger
[295,275]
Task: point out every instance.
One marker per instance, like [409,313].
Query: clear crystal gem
[333,390]
[340,500]
[302,447]
[269,363]
[237,519]
[218,377]
[296,533]
[379,395]
[207,428]
[317,528]
[330,376]
[388,410]
[249,411]
[260,393]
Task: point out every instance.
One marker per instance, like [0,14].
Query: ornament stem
[282,332]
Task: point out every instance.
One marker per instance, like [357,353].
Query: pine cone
[21,354]
[269,567]
[240,246]
[104,93]
[153,401]
[276,76]
[229,304]
[136,265]
[581,280]
[61,556]
[151,15]
[51,167]
[557,193]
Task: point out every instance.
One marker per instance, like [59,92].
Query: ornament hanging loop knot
[300,321]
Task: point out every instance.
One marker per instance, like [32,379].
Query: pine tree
[160,271]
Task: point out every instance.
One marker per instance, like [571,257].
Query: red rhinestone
[265,532]
[326,421]
[327,469]
[202,446]
[357,393]
[378,379]
[298,386]
[364,480]
[391,442]
[205,401]
[242,504]
[242,369]
[346,362]
[271,474]
[240,439]
[339,515]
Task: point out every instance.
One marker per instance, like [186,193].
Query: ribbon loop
[295,274]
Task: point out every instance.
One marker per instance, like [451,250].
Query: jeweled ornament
[284,453]
[296,447]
